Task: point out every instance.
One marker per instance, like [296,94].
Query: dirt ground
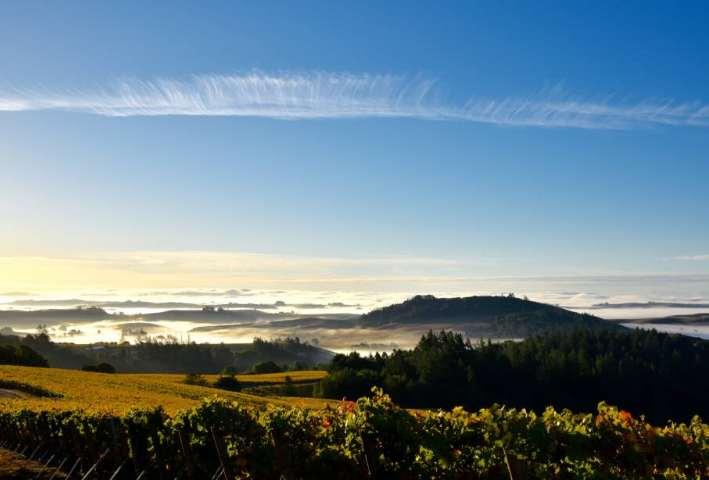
[5,393]
[14,466]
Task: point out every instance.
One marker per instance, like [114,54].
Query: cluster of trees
[162,355]
[660,375]
[269,366]
[224,382]
[21,355]
[101,367]
[283,352]
[170,355]
[56,355]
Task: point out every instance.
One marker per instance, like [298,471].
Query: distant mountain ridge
[505,315]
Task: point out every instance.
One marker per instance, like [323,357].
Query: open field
[246,380]
[118,393]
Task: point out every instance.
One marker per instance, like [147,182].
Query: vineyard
[117,394]
[371,438]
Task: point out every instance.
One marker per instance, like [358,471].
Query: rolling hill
[501,315]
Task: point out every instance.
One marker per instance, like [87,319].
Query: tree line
[659,375]
[160,355]
[21,355]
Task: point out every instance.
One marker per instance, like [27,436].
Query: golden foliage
[118,393]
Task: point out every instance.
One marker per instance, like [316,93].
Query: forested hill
[507,315]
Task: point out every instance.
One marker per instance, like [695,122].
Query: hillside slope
[503,315]
[118,393]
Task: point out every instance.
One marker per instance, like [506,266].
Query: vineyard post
[134,448]
[370,456]
[93,467]
[6,431]
[34,452]
[118,470]
[115,454]
[90,442]
[39,475]
[34,434]
[25,432]
[71,472]
[61,464]
[223,457]
[218,472]
[47,433]
[187,453]
[64,441]
[159,459]
[283,455]
[60,439]
[75,439]
[516,468]
[9,433]
[16,432]
[41,458]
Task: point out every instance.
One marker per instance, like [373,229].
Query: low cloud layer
[338,95]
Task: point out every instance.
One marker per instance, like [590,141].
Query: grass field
[118,393]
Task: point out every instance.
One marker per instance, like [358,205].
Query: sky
[355,146]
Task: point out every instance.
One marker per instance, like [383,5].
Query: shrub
[288,390]
[104,367]
[101,367]
[195,379]
[267,366]
[227,383]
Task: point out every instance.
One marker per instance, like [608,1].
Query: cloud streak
[693,258]
[340,96]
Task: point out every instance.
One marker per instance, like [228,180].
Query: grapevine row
[369,438]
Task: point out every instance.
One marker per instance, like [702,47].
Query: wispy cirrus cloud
[695,258]
[340,95]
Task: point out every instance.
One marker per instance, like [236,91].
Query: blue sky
[594,159]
